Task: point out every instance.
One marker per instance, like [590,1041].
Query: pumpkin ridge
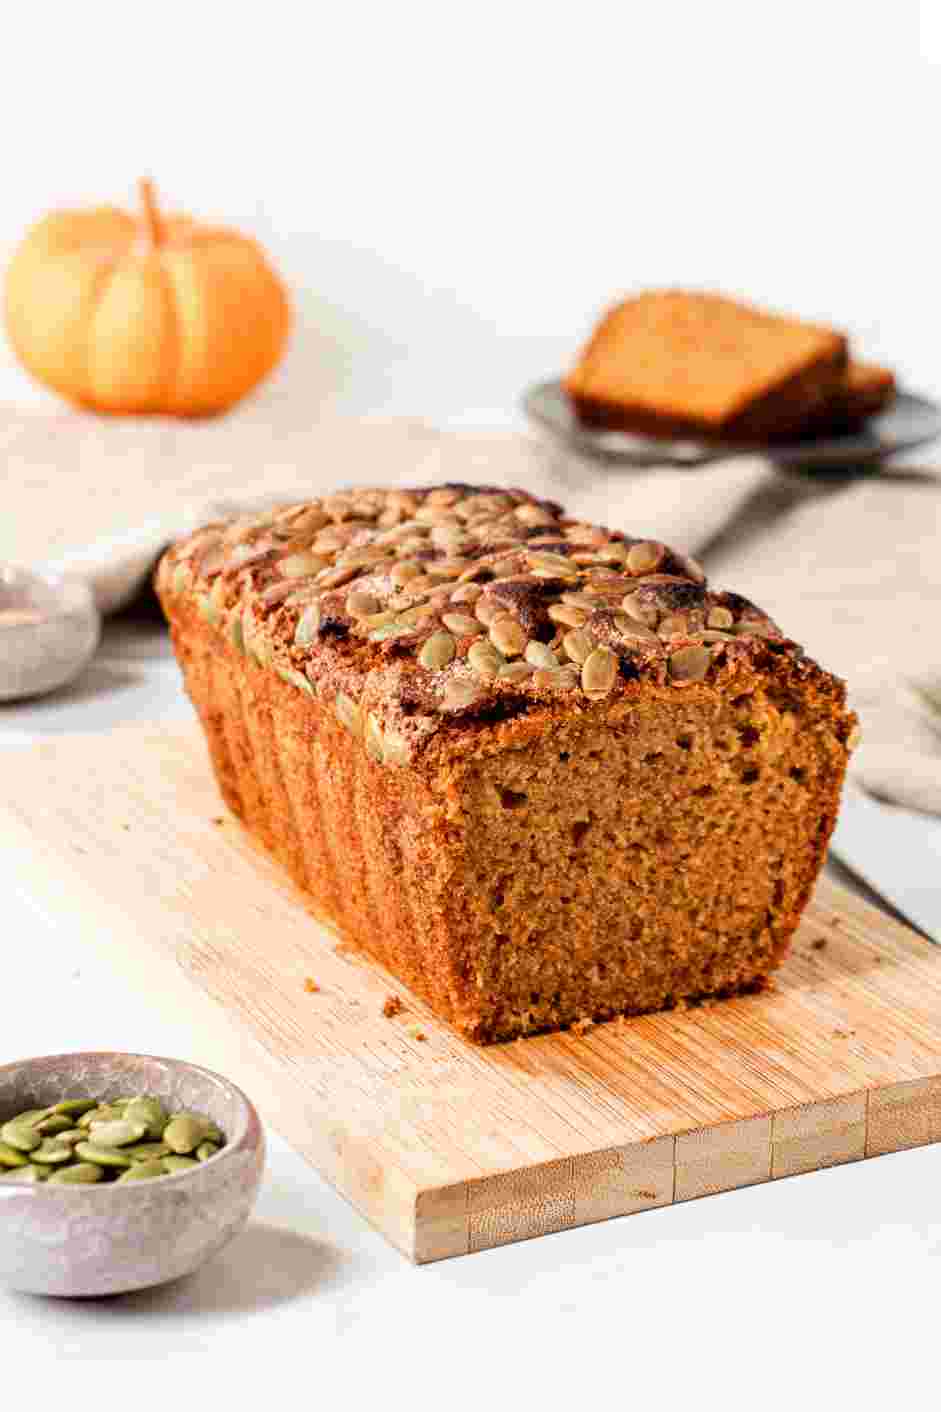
[174,335]
[99,288]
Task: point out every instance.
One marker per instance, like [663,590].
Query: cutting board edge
[431,1222]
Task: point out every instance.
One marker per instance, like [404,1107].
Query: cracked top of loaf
[410,610]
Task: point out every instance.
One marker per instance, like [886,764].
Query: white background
[452,192]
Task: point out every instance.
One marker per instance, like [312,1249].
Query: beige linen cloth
[849,564]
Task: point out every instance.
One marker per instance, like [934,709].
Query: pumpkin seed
[145,1171]
[484,659]
[599,673]
[507,635]
[260,648]
[217,594]
[539,655]
[486,609]
[374,748]
[568,614]
[148,1111]
[646,613]
[236,632]
[438,651]
[690,664]
[212,1131]
[83,1173]
[396,750]
[308,626]
[461,623]
[613,553]
[564,679]
[102,1156]
[11,1156]
[534,515]
[206,607]
[295,678]
[32,1116]
[631,627]
[643,558]
[467,593]
[75,1106]
[147,1151]
[29,1173]
[418,614]
[349,714]
[578,645]
[458,695]
[20,1134]
[407,569]
[390,630]
[117,1133]
[205,1150]
[297,566]
[52,1152]
[547,564]
[753,627]
[337,577]
[363,605]
[186,1131]
[102,1113]
[177,1164]
[55,1123]
[515,671]
[73,1136]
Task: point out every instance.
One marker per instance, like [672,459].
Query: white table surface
[820,1286]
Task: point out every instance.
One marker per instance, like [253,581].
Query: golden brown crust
[673,364]
[369,766]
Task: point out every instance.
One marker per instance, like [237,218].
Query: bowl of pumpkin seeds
[120,1171]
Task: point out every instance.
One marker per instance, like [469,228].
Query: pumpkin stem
[153,221]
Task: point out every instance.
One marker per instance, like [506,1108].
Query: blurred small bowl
[112,1237]
[49,629]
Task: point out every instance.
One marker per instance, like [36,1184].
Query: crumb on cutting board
[392,1006]
[416,1032]
[310,985]
[819,943]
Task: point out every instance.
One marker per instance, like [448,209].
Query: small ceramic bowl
[109,1238]
[49,629]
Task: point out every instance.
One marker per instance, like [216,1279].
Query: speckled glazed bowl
[49,630]
[105,1239]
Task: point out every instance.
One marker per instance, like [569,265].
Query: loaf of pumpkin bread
[537,769]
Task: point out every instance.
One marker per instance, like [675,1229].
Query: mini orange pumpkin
[144,315]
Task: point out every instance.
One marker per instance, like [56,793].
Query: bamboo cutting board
[448,1148]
